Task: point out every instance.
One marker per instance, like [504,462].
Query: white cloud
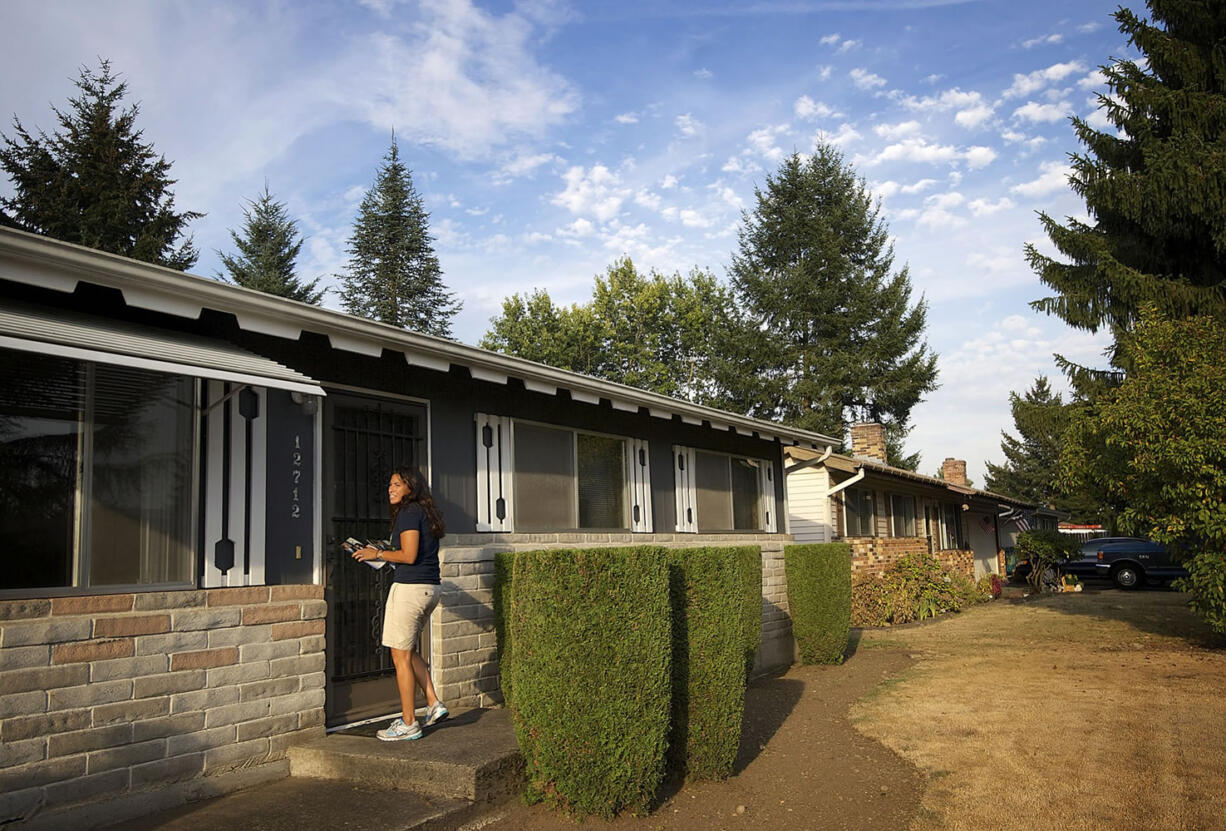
[848,45]
[974,116]
[535,237]
[830,40]
[521,165]
[688,126]
[983,207]
[704,74]
[950,99]
[1043,40]
[897,131]
[728,195]
[1098,120]
[1087,28]
[845,135]
[763,143]
[596,192]
[1047,113]
[1052,178]
[808,109]
[824,73]
[647,199]
[694,219]
[355,193]
[627,118]
[937,214]
[466,80]
[578,228]
[866,80]
[979,156]
[668,182]
[1032,82]
[1094,80]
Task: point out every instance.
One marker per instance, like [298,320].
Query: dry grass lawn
[1097,710]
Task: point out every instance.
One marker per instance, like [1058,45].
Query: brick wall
[109,694]
[464,646]
[870,556]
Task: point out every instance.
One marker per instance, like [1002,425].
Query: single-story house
[180,459]
[886,512]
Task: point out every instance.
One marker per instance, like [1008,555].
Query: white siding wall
[808,505]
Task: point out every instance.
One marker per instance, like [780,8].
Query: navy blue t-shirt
[412,517]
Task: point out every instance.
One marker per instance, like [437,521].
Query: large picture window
[96,464]
[859,512]
[951,527]
[568,480]
[729,493]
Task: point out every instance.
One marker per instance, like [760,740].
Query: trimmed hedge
[504,563]
[819,598]
[708,695]
[748,560]
[591,675]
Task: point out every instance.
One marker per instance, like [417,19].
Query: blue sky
[548,138]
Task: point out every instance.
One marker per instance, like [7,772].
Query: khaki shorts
[408,606]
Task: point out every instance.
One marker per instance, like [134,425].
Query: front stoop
[473,756]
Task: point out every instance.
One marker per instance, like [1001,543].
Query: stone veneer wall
[102,696]
[870,556]
[463,644]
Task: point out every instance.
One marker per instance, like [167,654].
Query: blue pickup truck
[1131,562]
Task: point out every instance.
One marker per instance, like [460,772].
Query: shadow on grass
[1156,610]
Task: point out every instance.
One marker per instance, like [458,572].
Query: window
[859,512]
[567,480]
[903,509]
[730,493]
[951,528]
[96,474]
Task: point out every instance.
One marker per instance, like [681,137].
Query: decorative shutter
[640,487]
[766,479]
[494,473]
[687,496]
[236,473]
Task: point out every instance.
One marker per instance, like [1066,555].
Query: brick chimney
[868,442]
[953,471]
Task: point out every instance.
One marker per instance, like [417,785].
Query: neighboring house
[886,512]
[179,459]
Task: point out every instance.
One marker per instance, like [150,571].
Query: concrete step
[471,756]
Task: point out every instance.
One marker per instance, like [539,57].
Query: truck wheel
[1127,577]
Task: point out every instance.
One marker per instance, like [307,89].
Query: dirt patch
[801,763]
[1102,709]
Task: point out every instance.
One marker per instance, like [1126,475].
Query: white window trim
[686,489]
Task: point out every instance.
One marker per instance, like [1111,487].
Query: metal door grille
[368,440]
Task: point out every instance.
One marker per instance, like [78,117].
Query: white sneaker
[436,713]
[398,731]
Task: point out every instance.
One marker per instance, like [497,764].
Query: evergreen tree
[1032,457]
[829,335]
[94,182]
[393,275]
[268,252]
[1155,189]
[650,331]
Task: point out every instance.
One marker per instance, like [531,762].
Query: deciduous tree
[1155,447]
[94,182]
[268,252]
[393,275]
[829,333]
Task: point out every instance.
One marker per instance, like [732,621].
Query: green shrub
[504,562]
[748,561]
[912,588]
[591,682]
[1043,549]
[708,692]
[819,598]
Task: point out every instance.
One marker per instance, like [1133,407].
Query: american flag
[1021,522]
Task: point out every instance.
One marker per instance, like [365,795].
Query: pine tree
[393,275]
[829,336]
[268,252]
[1156,190]
[94,182]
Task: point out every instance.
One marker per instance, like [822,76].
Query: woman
[417,526]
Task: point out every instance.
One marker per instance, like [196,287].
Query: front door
[365,439]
